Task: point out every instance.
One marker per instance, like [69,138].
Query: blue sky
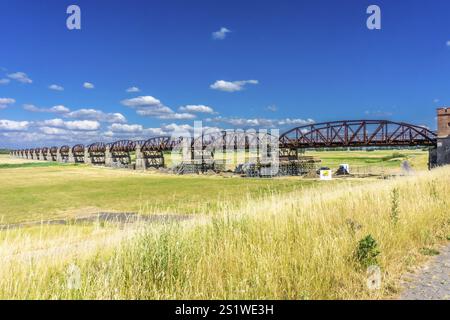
[275,64]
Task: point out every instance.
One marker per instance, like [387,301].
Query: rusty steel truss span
[357,133]
[201,149]
[78,153]
[160,143]
[232,140]
[120,152]
[53,153]
[96,153]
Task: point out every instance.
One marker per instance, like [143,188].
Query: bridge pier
[441,155]
[108,157]
[87,156]
[71,158]
[140,161]
[59,156]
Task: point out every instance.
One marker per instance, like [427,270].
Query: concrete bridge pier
[41,156]
[109,161]
[59,156]
[140,161]
[87,156]
[71,158]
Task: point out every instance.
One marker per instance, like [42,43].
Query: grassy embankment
[296,245]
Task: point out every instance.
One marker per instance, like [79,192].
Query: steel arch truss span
[54,153]
[161,143]
[96,153]
[152,150]
[64,153]
[44,151]
[37,153]
[357,133]
[78,153]
[233,140]
[120,151]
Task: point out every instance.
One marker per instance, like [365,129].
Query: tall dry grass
[295,246]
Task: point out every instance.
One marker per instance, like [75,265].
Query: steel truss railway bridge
[334,134]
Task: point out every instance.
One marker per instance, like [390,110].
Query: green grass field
[33,190]
[376,160]
[45,192]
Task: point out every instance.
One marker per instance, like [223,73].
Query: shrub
[367,251]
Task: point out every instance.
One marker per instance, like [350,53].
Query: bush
[367,251]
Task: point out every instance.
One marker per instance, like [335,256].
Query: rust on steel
[345,133]
[357,133]
[123,146]
[97,147]
[232,140]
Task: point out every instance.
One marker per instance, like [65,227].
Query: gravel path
[432,282]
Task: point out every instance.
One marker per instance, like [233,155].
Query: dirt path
[111,217]
[432,282]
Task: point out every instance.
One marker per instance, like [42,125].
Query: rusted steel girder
[123,146]
[160,143]
[357,133]
[232,140]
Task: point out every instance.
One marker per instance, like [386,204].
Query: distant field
[377,160]
[34,190]
[44,192]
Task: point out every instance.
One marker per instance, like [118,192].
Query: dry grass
[299,245]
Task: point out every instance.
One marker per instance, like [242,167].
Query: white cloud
[10,125]
[54,109]
[142,101]
[88,85]
[150,106]
[5,102]
[132,131]
[298,122]
[126,128]
[82,125]
[20,77]
[133,89]
[448,43]
[87,125]
[221,34]
[178,116]
[4,81]
[55,87]
[53,131]
[260,122]
[233,86]
[98,115]
[53,123]
[59,109]
[197,108]
[178,130]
